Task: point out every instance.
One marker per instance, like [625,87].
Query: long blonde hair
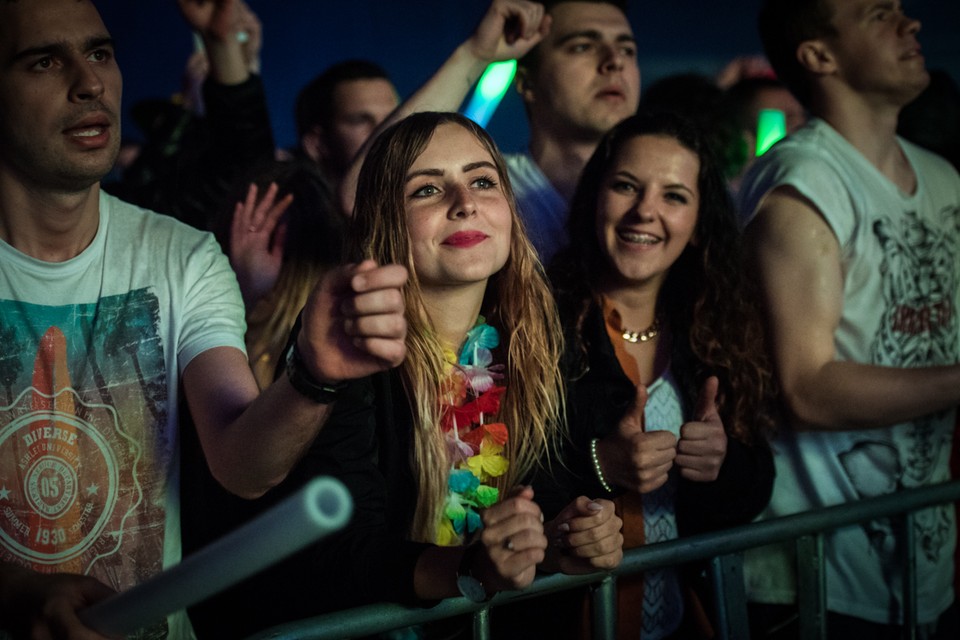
[517,301]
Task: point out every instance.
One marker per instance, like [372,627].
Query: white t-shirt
[91,352]
[541,207]
[900,257]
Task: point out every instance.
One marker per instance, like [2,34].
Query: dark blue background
[410,38]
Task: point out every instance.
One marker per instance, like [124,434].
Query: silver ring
[508,544]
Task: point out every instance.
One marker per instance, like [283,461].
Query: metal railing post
[481,624]
[909,575]
[811,587]
[730,597]
[604,600]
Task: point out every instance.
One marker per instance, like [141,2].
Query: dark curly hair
[707,303]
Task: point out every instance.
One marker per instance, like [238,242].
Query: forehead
[26,24]
[360,92]
[855,9]
[664,153]
[451,143]
[572,17]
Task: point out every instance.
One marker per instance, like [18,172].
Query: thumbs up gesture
[703,442]
[635,459]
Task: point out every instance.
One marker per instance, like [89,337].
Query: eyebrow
[61,47]
[592,34]
[867,9]
[470,166]
[672,185]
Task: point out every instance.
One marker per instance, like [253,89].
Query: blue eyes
[423,192]
[427,190]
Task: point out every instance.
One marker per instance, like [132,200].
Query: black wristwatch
[303,381]
[470,587]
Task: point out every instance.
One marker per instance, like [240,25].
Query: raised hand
[215,19]
[703,441]
[353,322]
[508,30]
[249,24]
[513,541]
[585,537]
[256,242]
[635,459]
[221,23]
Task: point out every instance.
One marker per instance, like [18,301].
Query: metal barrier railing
[723,550]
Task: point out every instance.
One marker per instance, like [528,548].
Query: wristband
[303,381]
[596,465]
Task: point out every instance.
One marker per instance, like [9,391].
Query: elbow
[801,410]
[813,412]
[243,485]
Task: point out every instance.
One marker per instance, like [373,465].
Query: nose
[463,205]
[611,58]
[645,206]
[87,84]
[910,25]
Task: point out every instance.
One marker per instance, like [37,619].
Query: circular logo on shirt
[53,509]
[51,486]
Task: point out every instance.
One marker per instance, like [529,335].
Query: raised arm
[798,260]
[219,22]
[508,30]
[352,326]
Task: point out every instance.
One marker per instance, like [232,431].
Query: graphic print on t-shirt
[83,457]
[918,328]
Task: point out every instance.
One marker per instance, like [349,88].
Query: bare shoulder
[787,220]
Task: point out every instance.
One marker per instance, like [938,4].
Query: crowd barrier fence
[723,550]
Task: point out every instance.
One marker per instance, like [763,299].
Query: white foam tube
[318,509]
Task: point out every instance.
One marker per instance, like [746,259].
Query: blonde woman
[434,453]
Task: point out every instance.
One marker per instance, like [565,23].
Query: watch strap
[469,585]
[305,383]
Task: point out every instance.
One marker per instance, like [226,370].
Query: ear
[816,57]
[523,85]
[313,144]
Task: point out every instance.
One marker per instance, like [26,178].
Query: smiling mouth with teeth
[637,238]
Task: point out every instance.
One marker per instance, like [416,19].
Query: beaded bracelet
[596,466]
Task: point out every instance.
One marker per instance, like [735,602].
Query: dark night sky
[411,37]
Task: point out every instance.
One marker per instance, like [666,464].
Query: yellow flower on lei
[488,463]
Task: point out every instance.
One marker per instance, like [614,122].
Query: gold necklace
[646,335]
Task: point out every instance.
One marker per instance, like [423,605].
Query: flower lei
[475,450]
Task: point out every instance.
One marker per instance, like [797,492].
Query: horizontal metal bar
[367,620]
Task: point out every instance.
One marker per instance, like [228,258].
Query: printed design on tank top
[83,455]
[918,328]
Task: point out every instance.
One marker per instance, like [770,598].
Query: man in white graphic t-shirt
[854,231]
[107,312]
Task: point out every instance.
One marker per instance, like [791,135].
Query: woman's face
[647,208]
[458,217]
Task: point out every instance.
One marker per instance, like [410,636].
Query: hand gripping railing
[723,550]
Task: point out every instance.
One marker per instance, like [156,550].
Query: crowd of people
[643,327]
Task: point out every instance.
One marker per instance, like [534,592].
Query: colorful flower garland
[475,449]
